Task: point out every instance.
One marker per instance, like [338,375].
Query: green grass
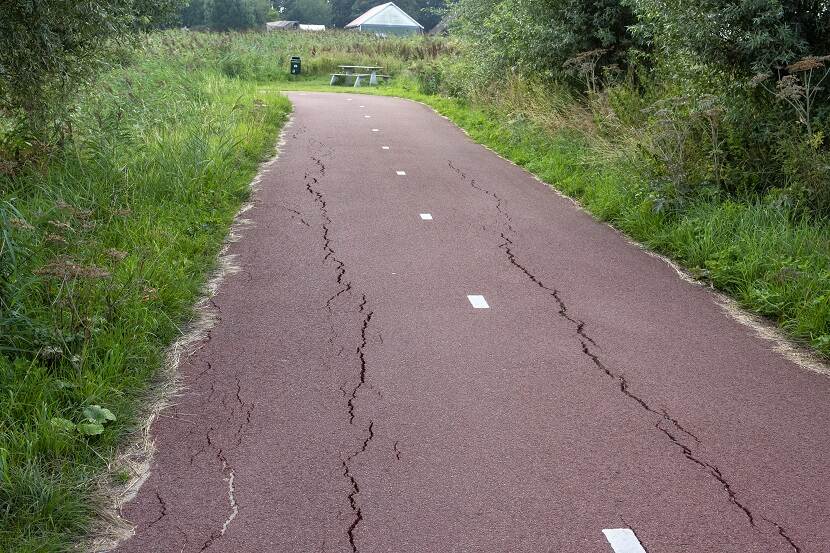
[772,263]
[128,219]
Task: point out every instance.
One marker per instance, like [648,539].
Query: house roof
[388,15]
[281,24]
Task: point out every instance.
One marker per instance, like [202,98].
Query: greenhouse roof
[388,15]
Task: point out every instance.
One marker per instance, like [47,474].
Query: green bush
[540,37]
[721,97]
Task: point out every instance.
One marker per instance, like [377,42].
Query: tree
[316,12]
[341,12]
[47,49]
[193,14]
[744,35]
[226,15]
[541,35]
[430,12]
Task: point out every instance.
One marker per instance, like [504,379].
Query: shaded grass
[104,250]
[772,262]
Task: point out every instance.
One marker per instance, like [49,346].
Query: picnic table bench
[350,71]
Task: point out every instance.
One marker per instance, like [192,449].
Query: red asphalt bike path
[351,399]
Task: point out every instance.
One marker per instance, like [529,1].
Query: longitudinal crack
[344,288]
[229,477]
[330,254]
[357,512]
[361,356]
[666,424]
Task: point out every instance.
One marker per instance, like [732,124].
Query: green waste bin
[296,65]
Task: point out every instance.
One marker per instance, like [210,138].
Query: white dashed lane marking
[401,173]
[479,302]
[375,130]
[385,147]
[367,116]
[623,540]
[426,216]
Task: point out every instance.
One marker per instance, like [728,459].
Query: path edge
[137,451]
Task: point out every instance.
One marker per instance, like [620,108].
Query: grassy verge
[772,263]
[103,251]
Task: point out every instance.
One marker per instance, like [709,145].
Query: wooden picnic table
[350,71]
[351,68]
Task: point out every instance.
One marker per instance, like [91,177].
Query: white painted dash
[426,216]
[623,540]
[401,173]
[479,302]
[363,106]
[385,147]
[367,116]
[349,99]
[375,130]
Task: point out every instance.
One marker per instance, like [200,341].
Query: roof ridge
[377,10]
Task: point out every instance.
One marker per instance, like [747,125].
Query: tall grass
[104,247]
[264,57]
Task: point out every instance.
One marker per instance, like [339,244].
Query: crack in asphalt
[312,180]
[585,339]
[229,476]
[355,491]
[184,535]
[296,215]
[784,535]
[319,199]
[232,400]
[361,355]
[162,509]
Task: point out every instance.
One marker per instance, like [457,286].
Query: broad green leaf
[91,428]
[98,414]
[63,424]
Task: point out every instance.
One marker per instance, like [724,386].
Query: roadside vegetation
[111,214]
[700,129]
[123,161]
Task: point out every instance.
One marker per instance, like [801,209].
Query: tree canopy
[225,15]
[541,35]
[315,12]
[48,48]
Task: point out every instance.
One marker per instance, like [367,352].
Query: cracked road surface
[351,399]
